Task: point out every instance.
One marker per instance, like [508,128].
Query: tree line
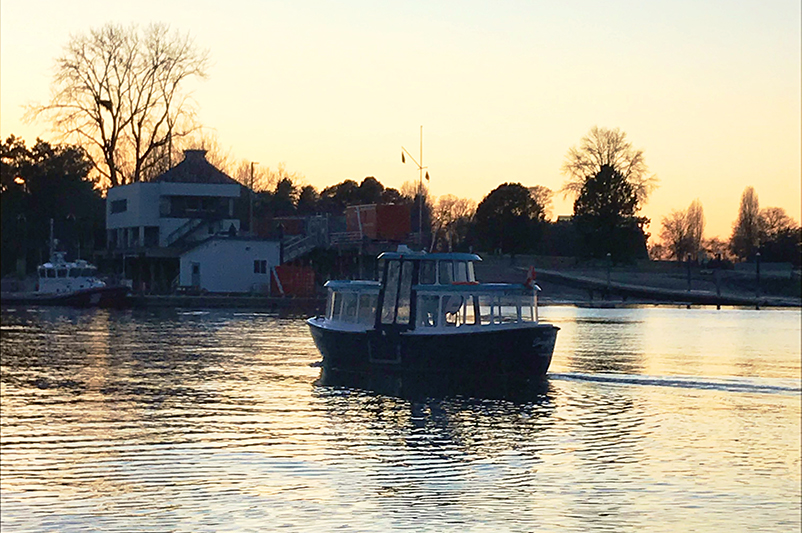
[769,232]
[121,102]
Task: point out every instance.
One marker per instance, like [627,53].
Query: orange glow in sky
[709,90]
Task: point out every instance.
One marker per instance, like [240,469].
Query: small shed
[230,264]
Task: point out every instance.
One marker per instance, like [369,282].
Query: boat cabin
[60,276]
[430,293]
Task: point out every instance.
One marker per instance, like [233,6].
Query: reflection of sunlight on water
[663,341]
[653,419]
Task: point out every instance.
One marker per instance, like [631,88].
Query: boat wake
[729,385]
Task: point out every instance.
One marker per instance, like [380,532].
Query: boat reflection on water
[423,386]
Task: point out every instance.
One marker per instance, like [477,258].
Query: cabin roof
[420,256]
[341,285]
[196,169]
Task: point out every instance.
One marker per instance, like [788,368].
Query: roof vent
[195,155]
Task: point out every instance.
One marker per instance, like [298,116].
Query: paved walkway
[602,289]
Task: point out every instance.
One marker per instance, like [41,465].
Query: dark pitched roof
[196,169]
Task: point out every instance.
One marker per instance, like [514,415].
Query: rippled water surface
[652,419]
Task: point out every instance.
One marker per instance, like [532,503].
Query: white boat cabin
[59,276]
[429,293]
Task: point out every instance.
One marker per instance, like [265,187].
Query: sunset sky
[709,90]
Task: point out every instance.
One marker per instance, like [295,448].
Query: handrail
[345,237]
[181,231]
[297,246]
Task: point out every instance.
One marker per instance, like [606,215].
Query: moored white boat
[429,314]
[69,283]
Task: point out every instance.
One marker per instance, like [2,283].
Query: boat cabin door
[395,309]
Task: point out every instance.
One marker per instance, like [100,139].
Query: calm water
[652,419]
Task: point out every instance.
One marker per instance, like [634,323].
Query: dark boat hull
[521,351]
[96,297]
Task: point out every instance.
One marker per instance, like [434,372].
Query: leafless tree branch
[119,92]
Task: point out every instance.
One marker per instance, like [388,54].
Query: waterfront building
[186,204]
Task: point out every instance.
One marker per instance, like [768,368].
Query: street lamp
[420,184]
[250,188]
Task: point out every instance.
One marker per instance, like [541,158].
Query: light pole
[250,189]
[420,184]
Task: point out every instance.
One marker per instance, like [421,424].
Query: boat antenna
[52,241]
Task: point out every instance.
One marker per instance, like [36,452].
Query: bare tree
[682,231]
[118,92]
[409,189]
[676,234]
[600,147]
[696,227]
[543,198]
[746,230]
[451,215]
[216,154]
[773,222]
[272,177]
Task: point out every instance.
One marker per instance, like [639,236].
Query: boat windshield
[351,307]
[456,272]
[438,308]
[428,273]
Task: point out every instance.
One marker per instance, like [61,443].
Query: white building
[230,264]
[188,203]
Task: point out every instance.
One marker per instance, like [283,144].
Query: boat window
[428,310]
[42,272]
[51,273]
[509,309]
[338,305]
[446,274]
[349,307]
[452,305]
[391,292]
[471,274]
[460,272]
[487,309]
[75,272]
[404,295]
[380,267]
[367,308]
[330,304]
[428,273]
[527,312]
[88,272]
[468,311]
[62,272]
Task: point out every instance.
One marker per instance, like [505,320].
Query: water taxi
[427,313]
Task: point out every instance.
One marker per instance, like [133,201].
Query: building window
[119,206]
[259,266]
[164,206]
[152,236]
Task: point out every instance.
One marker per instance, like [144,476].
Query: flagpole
[420,193]
[421,168]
